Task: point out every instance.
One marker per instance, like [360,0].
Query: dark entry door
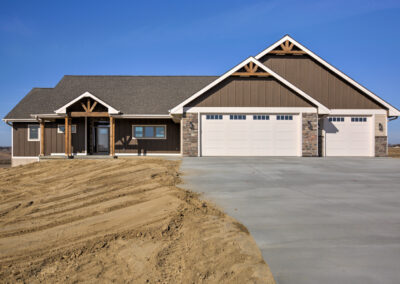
[103,139]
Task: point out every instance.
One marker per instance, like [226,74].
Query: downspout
[391,118]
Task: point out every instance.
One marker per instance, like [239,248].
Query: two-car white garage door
[250,135]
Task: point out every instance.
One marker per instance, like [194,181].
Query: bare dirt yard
[122,221]
[394,152]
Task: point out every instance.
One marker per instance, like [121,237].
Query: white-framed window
[260,117]
[237,117]
[214,116]
[149,131]
[61,128]
[33,132]
[336,119]
[284,117]
[358,119]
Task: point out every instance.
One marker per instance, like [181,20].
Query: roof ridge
[141,76]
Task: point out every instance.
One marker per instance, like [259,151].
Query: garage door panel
[348,138]
[249,137]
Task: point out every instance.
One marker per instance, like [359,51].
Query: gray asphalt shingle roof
[128,94]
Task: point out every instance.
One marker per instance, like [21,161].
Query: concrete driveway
[316,220]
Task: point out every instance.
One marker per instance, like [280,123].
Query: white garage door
[348,136]
[250,135]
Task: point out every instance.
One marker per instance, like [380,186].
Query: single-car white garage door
[349,136]
[250,135]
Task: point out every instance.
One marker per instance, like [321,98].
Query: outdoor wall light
[380,126]
[191,126]
[310,125]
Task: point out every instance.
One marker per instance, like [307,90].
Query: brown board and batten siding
[250,92]
[21,146]
[319,82]
[54,141]
[125,143]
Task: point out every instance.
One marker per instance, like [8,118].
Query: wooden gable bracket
[87,107]
[88,111]
[251,70]
[287,48]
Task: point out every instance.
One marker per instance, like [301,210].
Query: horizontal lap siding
[318,82]
[250,92]
[125,144]
[21,146]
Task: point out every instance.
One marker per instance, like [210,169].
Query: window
[358,119]
[149,131]
[284,117]
[237,117]
[61,128]
[33,132]
[336,119]
[214,116]
[260,117]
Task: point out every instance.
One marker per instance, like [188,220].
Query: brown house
[285,101]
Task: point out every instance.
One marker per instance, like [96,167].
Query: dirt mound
[120,221]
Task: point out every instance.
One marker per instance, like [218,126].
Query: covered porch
[86,119]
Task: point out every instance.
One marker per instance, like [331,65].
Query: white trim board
[250,109]
[12,141]
[357,111]
[63,109]
[392,110]
[321,108]
[20,120]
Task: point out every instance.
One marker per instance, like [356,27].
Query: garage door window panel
[260,117]
[237,117]
[284,117]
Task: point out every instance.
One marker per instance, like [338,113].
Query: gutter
[391,118]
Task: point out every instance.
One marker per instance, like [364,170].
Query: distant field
[5,152]
[5,157]
[394,152]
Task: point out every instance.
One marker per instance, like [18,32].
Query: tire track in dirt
[119,220]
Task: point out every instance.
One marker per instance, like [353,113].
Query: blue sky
[40,41]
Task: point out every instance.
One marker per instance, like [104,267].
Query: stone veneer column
[310,134]
[190,134]
[381,146]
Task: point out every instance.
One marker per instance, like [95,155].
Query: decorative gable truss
[288,45]
[87,104]
[251,69]
[247,68]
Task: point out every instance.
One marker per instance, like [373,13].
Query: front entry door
[103,140]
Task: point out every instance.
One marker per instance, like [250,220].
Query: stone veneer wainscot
[309,134]
[190,134]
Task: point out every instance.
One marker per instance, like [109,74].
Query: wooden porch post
[112,136]
[42,137]
[69,137]
[66,136]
